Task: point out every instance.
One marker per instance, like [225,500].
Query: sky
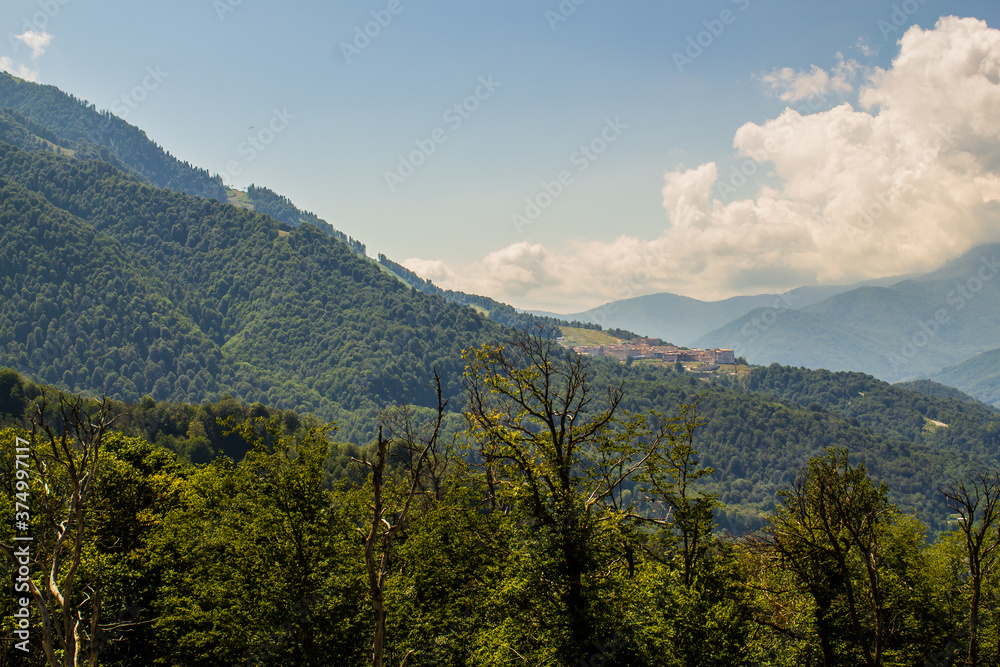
[561,154]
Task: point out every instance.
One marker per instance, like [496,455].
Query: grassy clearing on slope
[238,198]
[573,336]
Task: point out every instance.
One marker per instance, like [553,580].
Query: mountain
[978,377]
[80,123]
[40,117]
[281,208]
[110,285]
[43,118]
[910,329]
[938,390]
[113,286]
[683,320]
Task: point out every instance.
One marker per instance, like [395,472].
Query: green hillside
[81,123]
[978,377]
[226,302]
[576,336]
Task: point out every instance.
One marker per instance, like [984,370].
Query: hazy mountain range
[894,328]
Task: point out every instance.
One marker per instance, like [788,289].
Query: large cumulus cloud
[902,183]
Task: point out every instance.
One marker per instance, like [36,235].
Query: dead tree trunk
[420,468]
[66,464]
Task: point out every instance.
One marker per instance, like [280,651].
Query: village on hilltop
[653,348]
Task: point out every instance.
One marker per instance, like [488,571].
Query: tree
[555,451]
[67,459]
[669,476]
[393,493]
[258,565]
[830,522]
[977,504]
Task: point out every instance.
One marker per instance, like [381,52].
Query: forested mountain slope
[759,434]
[76,121]
[293,318]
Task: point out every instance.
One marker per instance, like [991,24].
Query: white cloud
[36,41]
[20,71]
[904,182]
[865,47]
[792,86]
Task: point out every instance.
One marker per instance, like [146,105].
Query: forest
[555,527]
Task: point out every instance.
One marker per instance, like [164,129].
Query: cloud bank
[901,184]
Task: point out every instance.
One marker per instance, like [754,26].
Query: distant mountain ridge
[978,377]
[908,330]
[683,320]
[51,115]
[80,122]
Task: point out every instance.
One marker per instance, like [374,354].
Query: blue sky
[626,78]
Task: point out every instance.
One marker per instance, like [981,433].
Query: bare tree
[394,491]
[67,460]
[977,504]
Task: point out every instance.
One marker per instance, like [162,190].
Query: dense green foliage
[889,410]
[21,132]
[262,561]
[938,390]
